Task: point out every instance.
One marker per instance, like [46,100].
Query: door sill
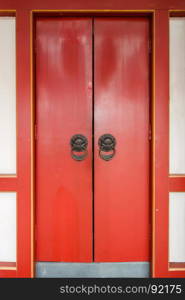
[93,270]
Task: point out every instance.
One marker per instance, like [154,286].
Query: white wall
[7,137]
[177,227]
[7,227]
[7,96]
[177,95]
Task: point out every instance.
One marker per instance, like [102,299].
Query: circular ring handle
[79,157]
[79,144]
[107,157]
[107,143]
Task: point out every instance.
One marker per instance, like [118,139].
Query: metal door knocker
[78,144]
[107,144]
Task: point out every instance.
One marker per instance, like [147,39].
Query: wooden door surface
[121,85]
[63,109]
[92,70]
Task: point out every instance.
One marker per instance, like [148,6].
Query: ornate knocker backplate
[78,144]
[107,143]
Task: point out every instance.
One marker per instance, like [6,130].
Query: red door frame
[164,182]
[23,183]
[92,13]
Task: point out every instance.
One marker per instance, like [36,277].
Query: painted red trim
[95,4]
[8,264]
[177,265]
[24,145]
[161,143]
[8,273]
[8,184]
[177,184]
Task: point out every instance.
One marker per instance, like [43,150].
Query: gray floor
[97,270]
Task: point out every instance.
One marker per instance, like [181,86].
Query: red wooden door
[122,109]
[63,108]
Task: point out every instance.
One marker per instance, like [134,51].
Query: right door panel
[121,96]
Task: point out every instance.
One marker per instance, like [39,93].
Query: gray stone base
[96,270]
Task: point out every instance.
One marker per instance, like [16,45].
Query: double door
[93,139]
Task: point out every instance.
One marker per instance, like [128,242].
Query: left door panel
[63,109]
